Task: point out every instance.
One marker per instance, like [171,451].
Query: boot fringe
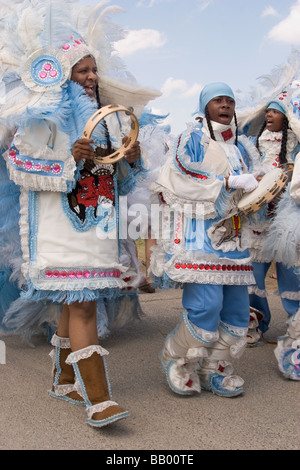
[85,353]
[59,342]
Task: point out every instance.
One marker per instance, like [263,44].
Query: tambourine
[101,114]
[267,190]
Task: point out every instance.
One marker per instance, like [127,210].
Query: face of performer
[221,109]
[85,73]
[274,120]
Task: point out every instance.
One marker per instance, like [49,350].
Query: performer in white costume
[274,233]
[198,189]
[58,69]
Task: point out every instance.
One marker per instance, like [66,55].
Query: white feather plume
[269,86]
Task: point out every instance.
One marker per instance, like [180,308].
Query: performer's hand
[82,150]
[247,182]
[134,153]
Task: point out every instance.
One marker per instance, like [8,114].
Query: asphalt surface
[265,417]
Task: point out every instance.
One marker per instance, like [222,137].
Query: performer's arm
[40,158]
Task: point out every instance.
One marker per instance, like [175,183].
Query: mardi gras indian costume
[64,255]
[67,246]
[202,246]
[274,231]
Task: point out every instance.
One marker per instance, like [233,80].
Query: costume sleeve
[188,178]
[295,183]
[39,159]
[128,175]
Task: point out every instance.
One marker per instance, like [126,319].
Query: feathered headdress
[40,42]
[280,85]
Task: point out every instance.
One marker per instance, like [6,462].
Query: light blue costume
[206,252]
[278,239]
[288,283]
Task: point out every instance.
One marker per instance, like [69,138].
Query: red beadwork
[214,267]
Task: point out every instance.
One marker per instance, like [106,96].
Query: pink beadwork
[86,274]
[56,168]
[32,166]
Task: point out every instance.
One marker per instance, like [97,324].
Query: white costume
[70,250]
[275,236]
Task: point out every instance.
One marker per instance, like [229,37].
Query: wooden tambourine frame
[254,201]
[101,114]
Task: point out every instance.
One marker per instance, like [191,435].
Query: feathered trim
[30,26]
[27,318]
[116,313]
[9,292]
[283,241]
[251,113]
[68,297]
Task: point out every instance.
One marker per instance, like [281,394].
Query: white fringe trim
[85,353]
[100,407]
[58,342]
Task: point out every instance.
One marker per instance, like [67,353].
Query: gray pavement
[265,417]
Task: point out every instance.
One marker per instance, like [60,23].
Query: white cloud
[288,29]
[137,40]
[173,84]
[194,90]
[141,3]
[150,3]
[203,4]
[181,87]
[269,11]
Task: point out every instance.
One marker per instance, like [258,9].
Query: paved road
[266,417]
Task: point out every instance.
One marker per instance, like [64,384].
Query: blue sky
[178,46]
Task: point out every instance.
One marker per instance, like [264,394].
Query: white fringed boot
[287,351]
[216,370]
[180,356]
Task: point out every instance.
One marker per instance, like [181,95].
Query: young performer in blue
[278,145]
[281,241]
[198,189]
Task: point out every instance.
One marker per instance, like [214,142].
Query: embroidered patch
[227,135]
[96,186]
[46,70]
